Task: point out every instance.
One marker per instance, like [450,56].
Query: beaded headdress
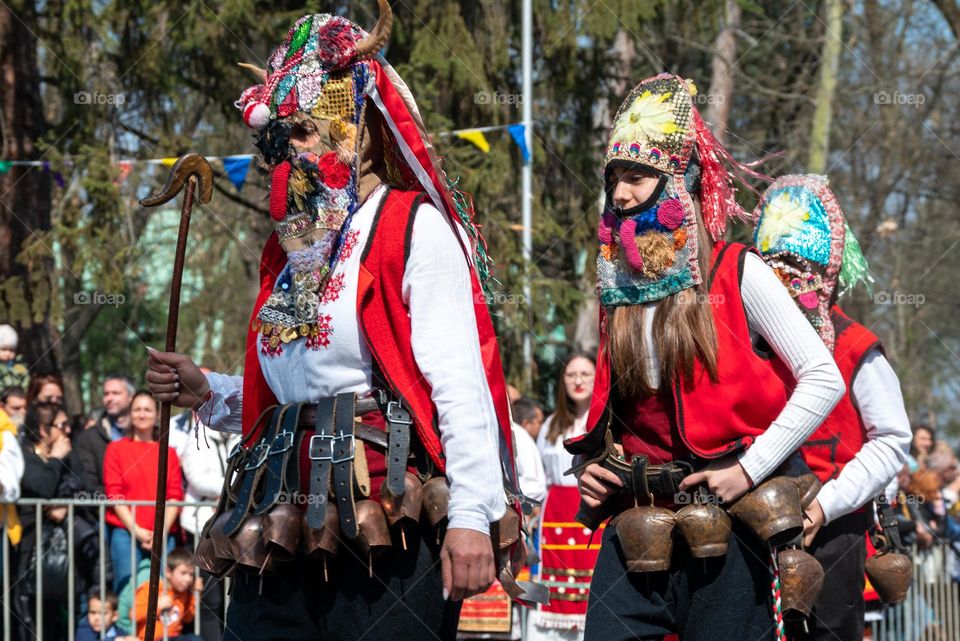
[650,254]
[332,120]
[801,233]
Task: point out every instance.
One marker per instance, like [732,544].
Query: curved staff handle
[190,170]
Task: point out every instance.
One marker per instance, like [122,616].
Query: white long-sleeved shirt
[772,314]
[530,474]
[204,466]
[556,459]
[876,394]
[436,288]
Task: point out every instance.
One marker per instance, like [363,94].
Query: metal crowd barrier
[931,611]
[101,505]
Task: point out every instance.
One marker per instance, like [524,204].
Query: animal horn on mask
[380,34]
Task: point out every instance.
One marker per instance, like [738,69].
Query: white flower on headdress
[649,118]
[782,216]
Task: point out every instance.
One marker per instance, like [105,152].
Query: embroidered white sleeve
[436,287]
[876,390]
[222,412]
[774,316]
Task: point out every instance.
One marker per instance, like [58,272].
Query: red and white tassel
[775,592]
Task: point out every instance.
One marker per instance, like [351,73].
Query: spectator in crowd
[532,479]
[943,462]
[11,471]
[45,388]
[110,423]
[13,371]
[130,474]
[13,401]
[204,468]
[563,618]
[101,615]
[927,510]
[50,471]
[513,394]
[175,606]
[923,441]
[528,415]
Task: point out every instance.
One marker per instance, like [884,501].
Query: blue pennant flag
[236,167]
[518,133]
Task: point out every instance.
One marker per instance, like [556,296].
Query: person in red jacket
[370,297]
[858,450]
[130,474]
[681,398]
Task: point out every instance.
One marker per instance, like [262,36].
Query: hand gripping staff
[191,170]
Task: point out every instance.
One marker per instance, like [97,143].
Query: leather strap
[343,454]
[398,450]
[321,456]
[279,453]
[252,471]
[308,415]
[638,478]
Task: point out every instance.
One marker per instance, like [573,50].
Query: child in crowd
[101,615]
[175,605]
[13,371]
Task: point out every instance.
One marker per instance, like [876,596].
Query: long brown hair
[683,332]
[563,417]
[37,382]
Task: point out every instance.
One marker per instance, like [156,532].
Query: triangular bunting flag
[477,138]
[519,134]
[125,167]
[236,168]
[168,162]
[5,166]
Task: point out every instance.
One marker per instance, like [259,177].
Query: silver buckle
[260,455]
[282,442]
[318,441]
[393,417]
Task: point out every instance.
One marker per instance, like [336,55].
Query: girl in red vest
[858,450]
[679,383]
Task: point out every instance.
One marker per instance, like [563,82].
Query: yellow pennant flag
[168,162]
[477,138]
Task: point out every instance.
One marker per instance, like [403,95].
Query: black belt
[641,479]
[277,457]
[253,468]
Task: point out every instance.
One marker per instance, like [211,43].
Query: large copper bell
[326,540]
[890,574]
[801,579]
[646,536]
[809,486]
[706,528]
[281,529]
[771,510]
[205,556]
[436,499]
[373,533]
[222,545]
[407,506]
[250,546]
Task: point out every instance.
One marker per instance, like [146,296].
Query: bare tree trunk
[25,289]
[826,87]
[720,94]
[951,12]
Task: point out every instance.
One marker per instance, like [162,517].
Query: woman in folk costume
[566,553]
[371,311]
[691,430]
[858,450]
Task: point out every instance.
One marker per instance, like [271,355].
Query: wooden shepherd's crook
[190,169]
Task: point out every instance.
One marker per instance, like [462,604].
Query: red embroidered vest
[385,325]
[842,434]
[712,419]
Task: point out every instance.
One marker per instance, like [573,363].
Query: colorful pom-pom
[256,115]
[670,213]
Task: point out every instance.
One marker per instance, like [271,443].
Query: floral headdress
[649,254]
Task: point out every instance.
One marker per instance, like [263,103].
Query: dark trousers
[402,601]
[211,607]
[838,612]
[720,599]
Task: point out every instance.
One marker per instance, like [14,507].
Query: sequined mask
[801,234]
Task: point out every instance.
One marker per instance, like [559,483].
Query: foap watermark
[897,98]
[500,298]
[700,498]
[497,98]
[710,299]
[704,99]
[97,98]
[898,298]
[98,298]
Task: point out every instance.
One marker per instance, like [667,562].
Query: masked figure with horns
[858,450]
[692,432]
[376,435]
